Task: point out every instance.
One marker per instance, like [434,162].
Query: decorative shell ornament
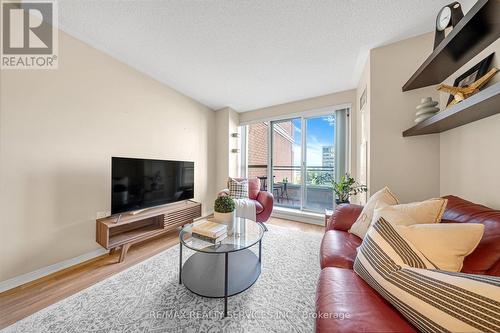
[427,108]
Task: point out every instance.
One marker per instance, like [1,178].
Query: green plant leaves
[346,187]
[224,204]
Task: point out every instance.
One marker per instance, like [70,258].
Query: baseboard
[44,271]
[305,217]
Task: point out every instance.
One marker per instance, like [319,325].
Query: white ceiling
[248,54]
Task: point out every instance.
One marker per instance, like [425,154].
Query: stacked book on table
[210,231]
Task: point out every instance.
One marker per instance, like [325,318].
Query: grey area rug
[148,298]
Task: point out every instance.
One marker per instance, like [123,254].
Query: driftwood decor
[461,93]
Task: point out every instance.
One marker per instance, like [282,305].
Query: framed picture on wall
[472,74]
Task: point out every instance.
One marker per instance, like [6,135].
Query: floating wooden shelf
[476,30]
[481,105]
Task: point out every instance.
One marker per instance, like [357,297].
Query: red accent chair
[264,201]
[340,291]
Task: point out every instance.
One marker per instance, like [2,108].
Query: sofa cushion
[486,257]
[346,303]
[338,249]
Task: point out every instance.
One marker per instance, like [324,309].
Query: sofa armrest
[266,199]
[344,217]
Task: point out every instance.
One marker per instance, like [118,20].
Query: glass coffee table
[224,269]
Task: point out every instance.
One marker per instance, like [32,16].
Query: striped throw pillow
[430,299]
[238,189]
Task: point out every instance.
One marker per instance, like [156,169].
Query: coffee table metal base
[203,273]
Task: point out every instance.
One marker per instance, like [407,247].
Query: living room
[263,166]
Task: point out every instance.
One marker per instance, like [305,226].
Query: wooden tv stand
[148,223]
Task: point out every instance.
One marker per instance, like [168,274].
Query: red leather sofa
[345,303]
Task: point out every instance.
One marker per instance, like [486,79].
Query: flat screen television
[142,183]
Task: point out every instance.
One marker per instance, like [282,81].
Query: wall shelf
[481,105]
[476,30]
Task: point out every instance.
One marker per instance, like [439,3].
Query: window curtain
[341,133]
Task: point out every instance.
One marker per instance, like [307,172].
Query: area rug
[148,298]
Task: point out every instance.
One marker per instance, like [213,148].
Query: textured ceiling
[248,54]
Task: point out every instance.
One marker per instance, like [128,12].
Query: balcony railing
[287,186]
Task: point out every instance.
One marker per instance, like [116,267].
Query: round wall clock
[448,16]
[443,19]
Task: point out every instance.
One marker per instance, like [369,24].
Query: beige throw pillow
[393,216]
[444,244]
[428,211]
[360,227]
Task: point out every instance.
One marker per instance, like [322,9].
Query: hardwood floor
[27,299]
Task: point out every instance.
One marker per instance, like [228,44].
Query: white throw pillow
[444,244]
[360,227]
[428,211]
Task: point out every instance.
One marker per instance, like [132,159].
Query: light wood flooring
[27,299]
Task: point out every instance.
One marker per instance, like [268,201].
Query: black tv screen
[142,183]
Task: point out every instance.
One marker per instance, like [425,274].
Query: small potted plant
[224,211]
[346,188]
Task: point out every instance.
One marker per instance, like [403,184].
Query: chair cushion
[341,293]
[338,249]
[486,257]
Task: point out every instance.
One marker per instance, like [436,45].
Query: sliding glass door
[319,162]
[286,162]
[298,159]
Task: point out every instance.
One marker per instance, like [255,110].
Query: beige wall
[470,154]
[296,107]
[409,166]
[234,143]
[360,121]
[222,151]
[227,162]
[58,131]
[461,161]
